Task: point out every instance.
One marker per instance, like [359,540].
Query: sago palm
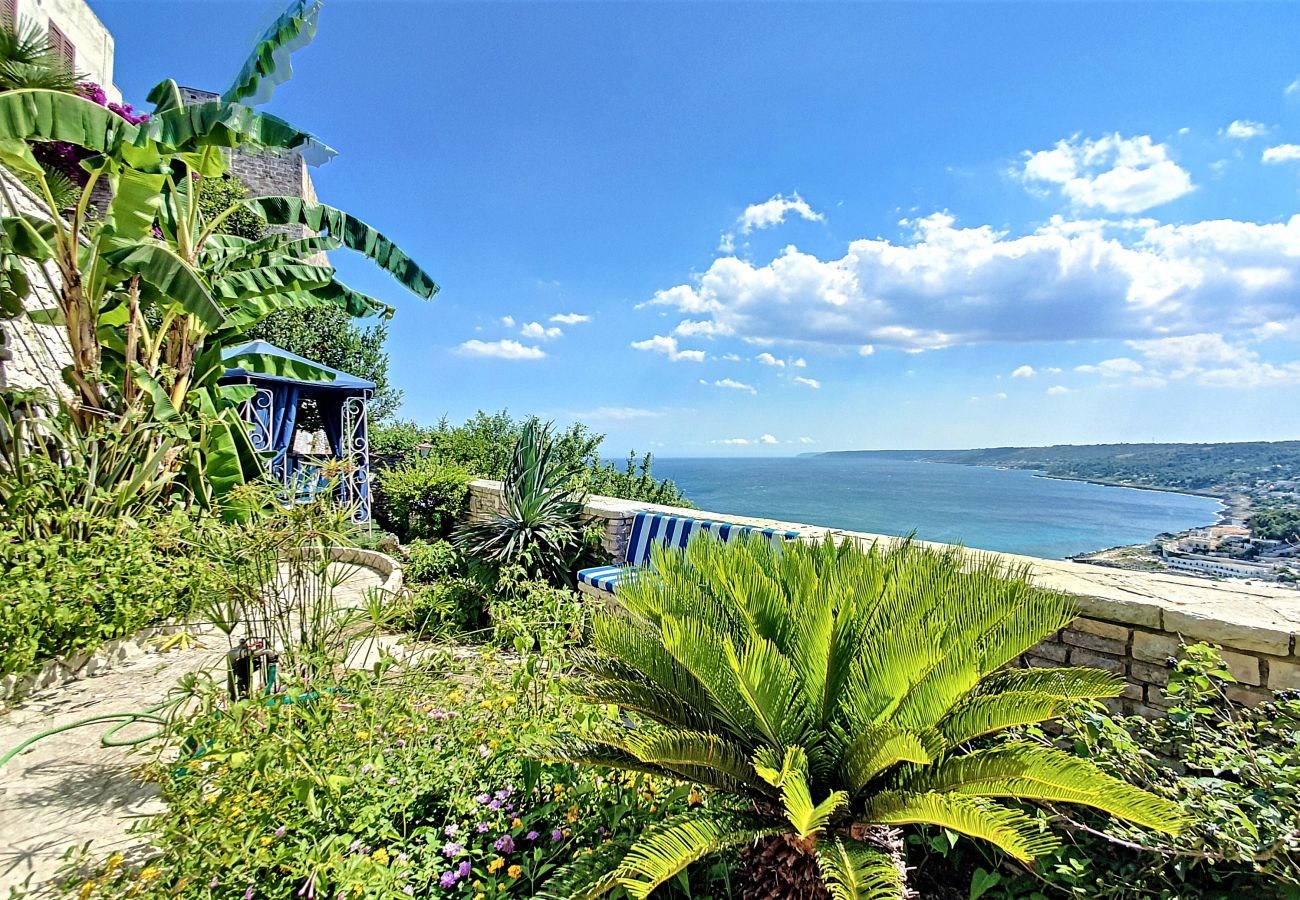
[836,693]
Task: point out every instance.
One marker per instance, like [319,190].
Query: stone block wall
[1130,622]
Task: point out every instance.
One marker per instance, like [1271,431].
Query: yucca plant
[539,525]
[835,694]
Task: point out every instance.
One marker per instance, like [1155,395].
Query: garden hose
[109,738]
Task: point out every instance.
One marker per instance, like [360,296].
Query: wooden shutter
[63,48]
[9,14]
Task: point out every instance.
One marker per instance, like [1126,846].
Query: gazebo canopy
[289,368]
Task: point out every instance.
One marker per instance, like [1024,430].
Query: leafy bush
[453,606]
[539,528]
[1232,770]
[429,563]
[835,694]
[1281,523]
[533,615]
[421,498]
[64,595]
[423,788]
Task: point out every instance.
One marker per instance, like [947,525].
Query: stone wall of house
[93,42]
[1130,622]
[31,356]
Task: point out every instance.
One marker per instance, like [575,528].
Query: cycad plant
[539,525]
[835,694]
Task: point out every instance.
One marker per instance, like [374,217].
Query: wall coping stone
[1256,617]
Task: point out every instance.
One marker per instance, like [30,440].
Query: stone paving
[68,790]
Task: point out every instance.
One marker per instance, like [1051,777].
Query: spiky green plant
[836,693]
[539,525]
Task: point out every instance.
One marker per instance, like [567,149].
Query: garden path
[69,791]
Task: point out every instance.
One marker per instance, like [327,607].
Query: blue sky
[767,229]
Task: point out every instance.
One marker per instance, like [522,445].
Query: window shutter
[9,14]
[63,48]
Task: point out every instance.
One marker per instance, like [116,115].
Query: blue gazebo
[334,400]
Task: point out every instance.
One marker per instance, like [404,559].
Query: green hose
[109,739]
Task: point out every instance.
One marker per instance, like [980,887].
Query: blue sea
[1011,510]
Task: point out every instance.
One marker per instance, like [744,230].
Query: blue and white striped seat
[651,529]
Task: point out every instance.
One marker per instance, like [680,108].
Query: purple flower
[213,882]
[503,795]
[557,835]
[451,848]
[448,879]
[365,770]
[354,846]
[391,781]
[248,894]
[494,805]
[408,891]
[400,742]
[481,827]
[482,798]
[463,869]
[531,836]
[505,843]
[451,830]
[279,832]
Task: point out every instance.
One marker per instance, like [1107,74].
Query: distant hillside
[1247,468]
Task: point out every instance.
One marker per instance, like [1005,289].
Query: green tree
[834,694]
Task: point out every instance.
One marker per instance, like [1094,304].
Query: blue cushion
[650,529]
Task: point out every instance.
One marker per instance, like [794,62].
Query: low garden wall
[1130,622]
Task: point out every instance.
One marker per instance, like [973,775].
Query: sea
[1009,510]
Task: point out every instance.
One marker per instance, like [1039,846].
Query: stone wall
[93,42]
[31,356]
[1130,622]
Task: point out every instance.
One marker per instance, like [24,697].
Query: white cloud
[799,363]
[731,384]
[773,211]
[500,350]
[538,332]
[727,243]
[617,414]
[1024,372]
[808,382]
[1244,129]
[1282,153]
[1211,360]
[866,350]
[1112,368]
[1293,87]
[668,346]
[1117,174]
[950,285]
[734,442]
[701,328]
[1057,389]
[731,357]
[508,321]
[806,440]
[1000,395]
[768,359]
[570,318]
[768,439]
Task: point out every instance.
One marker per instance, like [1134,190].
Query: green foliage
[421,498]
[830,687]
[65,594]
[216,195]
[484,445]
[1280,523]
[387,791]
[454,606]
[430,563]
[539,527]
[1232,770]
[328,335]
[529,615]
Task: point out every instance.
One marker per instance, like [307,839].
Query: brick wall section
[1130,622]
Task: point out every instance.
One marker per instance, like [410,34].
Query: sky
[727,229]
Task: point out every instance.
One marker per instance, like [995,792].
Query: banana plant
[149,292]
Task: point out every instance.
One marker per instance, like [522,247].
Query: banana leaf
[355,235]
[268,65]
[283,278]
[172,276]
[214,123]
[41,115]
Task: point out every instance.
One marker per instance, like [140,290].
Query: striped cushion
[650,529]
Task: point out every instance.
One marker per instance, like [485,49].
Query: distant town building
[1220,566]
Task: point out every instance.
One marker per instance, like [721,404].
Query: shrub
[835,694]
[539,528]
[422,498]
[533,615]
[429,563]
[62,596]
[456,605]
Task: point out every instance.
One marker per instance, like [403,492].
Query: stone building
[75,32]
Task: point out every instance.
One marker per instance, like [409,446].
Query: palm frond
[663,851]
[852,871]
[878,749]
[790,775]
[1011,830]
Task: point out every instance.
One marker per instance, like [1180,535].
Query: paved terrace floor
[68,790]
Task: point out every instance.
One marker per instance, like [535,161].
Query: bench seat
[657,529]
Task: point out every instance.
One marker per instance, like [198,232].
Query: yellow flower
[480,896]
[380,856]
[86,890]
[514,871]
[115,860]
[516,822]
[495,865]
[149,873]
[266,841]
[363,735]
[694,799]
